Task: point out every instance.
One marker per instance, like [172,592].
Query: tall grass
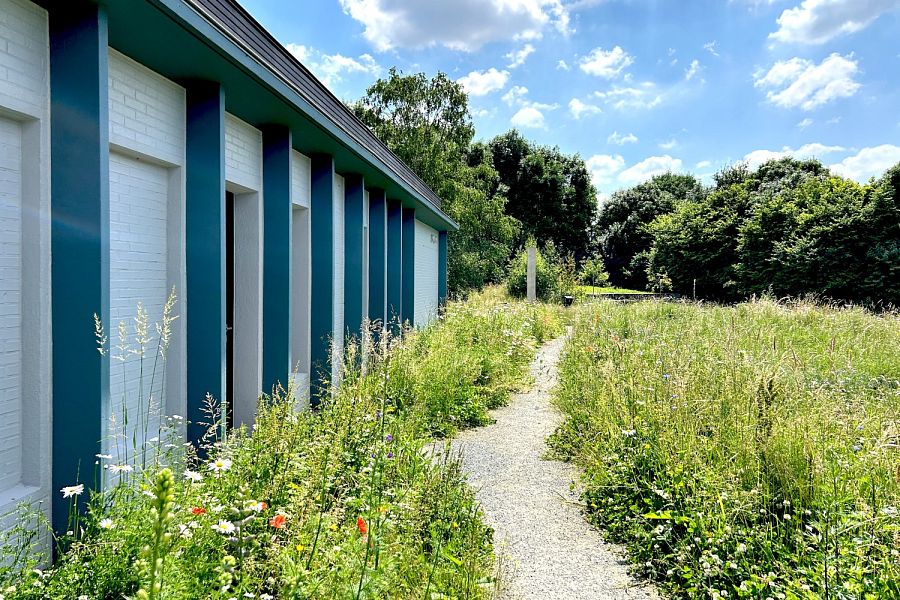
[344,502]
[747,451]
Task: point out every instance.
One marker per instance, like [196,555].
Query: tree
[622,224]
[427,124]
[548,191]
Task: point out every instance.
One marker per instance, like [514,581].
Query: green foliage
[555,276]
[548,191]
[789,228]
[742,452]
[621,226]
[351,501]
[426,122]
[593,272]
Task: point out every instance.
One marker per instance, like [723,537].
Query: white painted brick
[243,154]
[24,57]
[338,307]
[301,179]
[146,111]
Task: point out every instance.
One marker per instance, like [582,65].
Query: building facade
[156,145]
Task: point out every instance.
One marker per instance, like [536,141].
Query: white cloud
[642,96]
[692,70]
[649,167]
[711,47]
[703,164]
[483,113]
[606,63]
[563,65]
[478,83]
[620,140]
[516,94]
[518,57]
[814,150]
[668,144]
[868,162]
[529,118]
[579,108]
[800,82]
[805,123]
[457,24]
[333,68]
[818,21]
[603,168]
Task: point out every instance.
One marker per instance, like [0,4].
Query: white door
[138,274]
[426,274]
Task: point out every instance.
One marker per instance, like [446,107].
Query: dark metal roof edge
[362,135]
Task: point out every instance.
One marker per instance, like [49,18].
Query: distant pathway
[547,549]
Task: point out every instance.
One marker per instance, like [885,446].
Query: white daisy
[72,490]
[121,468]
[193,476]
[224,527]
[219,465]
[107,524]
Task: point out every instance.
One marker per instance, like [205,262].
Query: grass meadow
[747,451]
[339,503]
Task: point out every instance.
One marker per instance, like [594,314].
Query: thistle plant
[153,554]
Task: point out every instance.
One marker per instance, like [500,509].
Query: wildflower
[106,524]
[121,468]
[185,531]
[104,456]
[72,490]
[198,510]
[787,517]
[277,521]
[389,438]
[629,432]
[390,455]
[361,525]
[219,465]
[266,597]
[666,376]
[256,506]
[741,548]
[193,476]
[224,527]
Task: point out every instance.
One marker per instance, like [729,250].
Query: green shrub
[747,452]
[350,501]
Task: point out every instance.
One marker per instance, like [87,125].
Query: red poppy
[361,525]
[277,521]
[198,510]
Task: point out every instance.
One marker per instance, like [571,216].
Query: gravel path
[546,547]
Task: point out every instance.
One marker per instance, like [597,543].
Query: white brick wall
[25,372]
[24,57]
[146,111]
[426,273]
[301,190]
[243,154]
[146,169]
[338,299]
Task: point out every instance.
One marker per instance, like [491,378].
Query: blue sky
[636,87]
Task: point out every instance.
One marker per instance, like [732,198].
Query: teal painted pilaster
[79,242]
[205,250]
[277,220]
[377,255]
[322,302]
[408,308]
[354,204]
[442,269]
[394,264]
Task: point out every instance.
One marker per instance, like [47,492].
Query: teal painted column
[377,255]
[354,204]
[205,250]
[394,264]
[442,269]
[322,276]
[408,310]
[79,243]
[277,221]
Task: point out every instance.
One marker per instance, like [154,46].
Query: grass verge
[344,502]
[747,451]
